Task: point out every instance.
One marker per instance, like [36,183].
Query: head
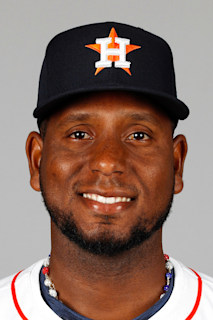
[106,161]
[115,145]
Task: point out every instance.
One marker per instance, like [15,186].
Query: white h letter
[105,52]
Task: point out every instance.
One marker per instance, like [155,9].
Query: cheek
[155,172]
[58,168]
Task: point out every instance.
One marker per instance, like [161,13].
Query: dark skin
[111,160]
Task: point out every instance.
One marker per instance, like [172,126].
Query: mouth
[106,204]
[105,200]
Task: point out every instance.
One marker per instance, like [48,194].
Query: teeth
[93,197]
[107,200]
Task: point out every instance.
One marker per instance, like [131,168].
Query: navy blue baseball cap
[108,56]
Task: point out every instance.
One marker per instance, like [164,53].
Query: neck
[128,284]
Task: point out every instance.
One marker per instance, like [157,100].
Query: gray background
[26,26]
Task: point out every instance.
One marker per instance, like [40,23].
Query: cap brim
[174,107]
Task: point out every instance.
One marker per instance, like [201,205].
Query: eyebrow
[77,117]
[141,117]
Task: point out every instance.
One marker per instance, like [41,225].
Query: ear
[34,146]
[179,153]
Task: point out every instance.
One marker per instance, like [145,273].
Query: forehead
[110,104]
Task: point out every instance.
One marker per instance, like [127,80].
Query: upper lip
[110,193]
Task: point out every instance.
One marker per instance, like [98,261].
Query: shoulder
[5,292]
[207,289]
[196,288]
[193,276]
[16,285]
[207,279]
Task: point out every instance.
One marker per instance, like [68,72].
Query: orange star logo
[113,49]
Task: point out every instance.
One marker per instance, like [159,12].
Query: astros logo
[112,49]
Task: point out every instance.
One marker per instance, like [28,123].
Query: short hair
[42,126]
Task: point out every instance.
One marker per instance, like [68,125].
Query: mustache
[105,184]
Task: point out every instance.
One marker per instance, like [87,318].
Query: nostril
[107,162]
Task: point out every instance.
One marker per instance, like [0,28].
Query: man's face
[108,147]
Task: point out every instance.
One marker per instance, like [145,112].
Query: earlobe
[34,146]
[179,153]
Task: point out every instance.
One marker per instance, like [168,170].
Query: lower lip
[104,208]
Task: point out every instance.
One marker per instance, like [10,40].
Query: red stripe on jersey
[13,289]
[199,293]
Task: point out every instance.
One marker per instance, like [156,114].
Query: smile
[105,200]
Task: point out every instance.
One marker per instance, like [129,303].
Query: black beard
[105,245]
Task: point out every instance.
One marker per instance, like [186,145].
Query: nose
[108,158]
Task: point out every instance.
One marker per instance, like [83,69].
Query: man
[107,165]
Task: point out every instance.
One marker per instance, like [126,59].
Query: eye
[138,136]
[80,135]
